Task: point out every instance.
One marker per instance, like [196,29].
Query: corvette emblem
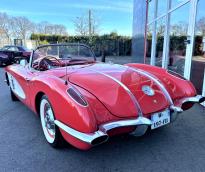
[148,90]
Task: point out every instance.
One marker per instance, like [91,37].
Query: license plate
[160,119]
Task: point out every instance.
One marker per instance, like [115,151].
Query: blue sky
[114,15]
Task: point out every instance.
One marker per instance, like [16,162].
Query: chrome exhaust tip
[99,140]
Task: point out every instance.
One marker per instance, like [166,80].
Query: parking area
[177,147]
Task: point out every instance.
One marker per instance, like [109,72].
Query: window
[151,6]
[13,49]
[174,3]
[178,36]
[149,44]
[160,30]
[162,7]
[167,32]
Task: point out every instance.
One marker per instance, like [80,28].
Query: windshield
[4,48]
[61,55]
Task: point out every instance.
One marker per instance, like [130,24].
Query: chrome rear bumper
[125,123]
[101,135]
[196,99]
[191,100]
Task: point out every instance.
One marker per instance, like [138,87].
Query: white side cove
[203,91]
[16,87]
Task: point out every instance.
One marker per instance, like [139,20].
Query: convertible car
[85,102]
[10,54]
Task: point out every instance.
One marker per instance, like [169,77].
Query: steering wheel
[48,62]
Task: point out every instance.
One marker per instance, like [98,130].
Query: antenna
[66,73]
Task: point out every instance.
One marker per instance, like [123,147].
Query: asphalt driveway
[177,147]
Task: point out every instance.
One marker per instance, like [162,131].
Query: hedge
[177,43]
[115,45]
[111,44]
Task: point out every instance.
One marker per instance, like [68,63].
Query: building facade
[171,34]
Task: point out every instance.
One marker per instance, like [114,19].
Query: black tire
[13,96]
[58,139]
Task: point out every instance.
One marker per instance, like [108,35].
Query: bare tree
[81,26]
[160,28]
[42,27]
[48,28]
[60,29]
[87,25]
[180,29]
[23,27]
[201,26]
[5,26]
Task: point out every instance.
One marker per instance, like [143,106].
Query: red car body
[116,101]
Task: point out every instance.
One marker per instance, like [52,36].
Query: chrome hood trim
[103,129]
[138,108]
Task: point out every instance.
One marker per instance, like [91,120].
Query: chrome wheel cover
[47,121]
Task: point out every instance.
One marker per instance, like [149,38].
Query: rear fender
[65,109]
[177,87]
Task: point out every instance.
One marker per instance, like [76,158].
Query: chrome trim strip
[150,76]
[125,123]
[89,137]
[196,99]
[138,108]
[85,137]
[176,108]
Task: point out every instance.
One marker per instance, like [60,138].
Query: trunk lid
[94,78]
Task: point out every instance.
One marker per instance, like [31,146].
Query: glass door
[169,31]
[198,59]
[178,39]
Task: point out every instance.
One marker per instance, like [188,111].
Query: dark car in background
[11,54]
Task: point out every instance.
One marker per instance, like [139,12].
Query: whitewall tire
[50,130]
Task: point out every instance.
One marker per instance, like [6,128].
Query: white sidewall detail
[48,137]
[16,87]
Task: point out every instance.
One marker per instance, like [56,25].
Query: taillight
[77,97]
[187,105]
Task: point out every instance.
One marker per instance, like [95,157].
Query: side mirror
[23,62]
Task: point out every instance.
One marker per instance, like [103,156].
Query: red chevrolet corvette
[85,102]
